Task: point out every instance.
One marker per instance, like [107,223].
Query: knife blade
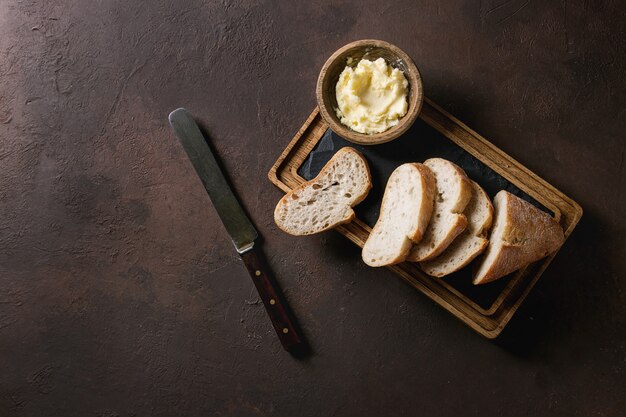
[237,224]
[239,227]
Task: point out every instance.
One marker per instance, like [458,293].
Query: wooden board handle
[274,302]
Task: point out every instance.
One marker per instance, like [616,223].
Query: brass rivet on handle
[257,273]
[285,330]
[272,301]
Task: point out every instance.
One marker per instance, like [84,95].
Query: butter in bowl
[369,92]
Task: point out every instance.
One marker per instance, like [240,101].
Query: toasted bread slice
[404,215]
[521,234]
[327,200]
[469,244]
[454,191]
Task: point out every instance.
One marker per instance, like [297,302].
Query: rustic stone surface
[120,294]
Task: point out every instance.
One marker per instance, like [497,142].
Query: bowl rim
[415,84]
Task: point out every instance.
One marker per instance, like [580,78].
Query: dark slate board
[418,144]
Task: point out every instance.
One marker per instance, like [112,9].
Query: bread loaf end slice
[521,234]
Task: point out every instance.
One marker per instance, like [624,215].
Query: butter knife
[239,227]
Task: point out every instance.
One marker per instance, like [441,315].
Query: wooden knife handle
[274,301]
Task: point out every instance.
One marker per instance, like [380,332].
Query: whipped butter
[371,97]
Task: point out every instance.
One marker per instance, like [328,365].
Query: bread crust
[426,209]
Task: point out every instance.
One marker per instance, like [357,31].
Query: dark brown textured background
[120,294]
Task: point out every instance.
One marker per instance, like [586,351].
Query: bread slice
[404,215]
[469,244]
[454,191]
[521,234]
[327,200]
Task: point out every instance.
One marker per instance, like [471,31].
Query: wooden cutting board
[485,308]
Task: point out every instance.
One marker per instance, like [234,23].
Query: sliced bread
[404,214]
[521,234]
[469,244]
[327,200]
[453,192]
